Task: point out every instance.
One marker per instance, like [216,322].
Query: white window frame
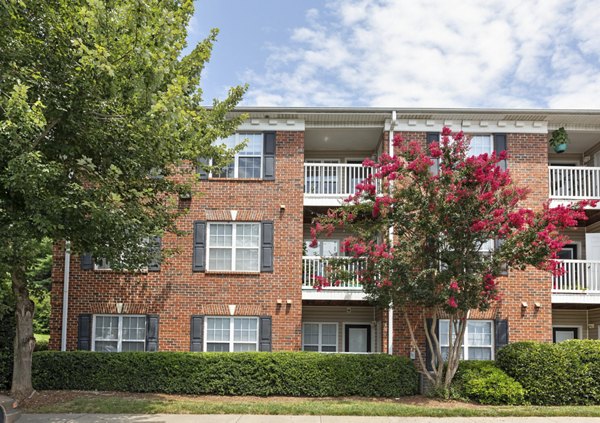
[465,346]
[119,330]
[104,264]
[320,344]
[239,137]
[233,247]
[490,137]
[231,341]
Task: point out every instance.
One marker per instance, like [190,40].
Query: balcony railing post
[574,183]
[314,266]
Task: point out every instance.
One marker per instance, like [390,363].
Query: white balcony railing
[314,266]
[574,183]
[334,179]
[581,277]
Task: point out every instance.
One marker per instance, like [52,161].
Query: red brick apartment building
[243,278]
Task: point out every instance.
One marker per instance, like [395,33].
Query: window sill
[231,272]
[235,179]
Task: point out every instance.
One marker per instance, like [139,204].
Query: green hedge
[285,373]
[483,382]
[555,374]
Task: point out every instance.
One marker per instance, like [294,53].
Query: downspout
[65,304]
[391,238]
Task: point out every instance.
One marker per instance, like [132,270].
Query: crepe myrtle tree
[100,126]
[445,207]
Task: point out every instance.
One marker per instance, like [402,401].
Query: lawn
[41,337]
[114,402]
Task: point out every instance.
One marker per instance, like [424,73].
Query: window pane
[444,338]
[217,329]
[220,234]
[481,144]
[249,167]
[479,353]
[246,235]
[244,347]
[329,335]
[132,346]
[328,348]
[246,259]
[479,333]
[107,327]
[226,172]
[219,259]
[311,348]
[217,347]
[254,144]
[245,330]
[311,334]
[134,328]
[106,346]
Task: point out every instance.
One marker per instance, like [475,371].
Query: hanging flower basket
[559,141]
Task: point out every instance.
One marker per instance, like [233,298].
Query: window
[226,334]
[481,144]
[324,248]
[233,246]
[112,333]
[153,244]
[478,343]
[248,162]
[320,337]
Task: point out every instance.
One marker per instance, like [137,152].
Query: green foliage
[7,333]
[263,374]
[555,374]
[559,137]
[483,382]
[41,318]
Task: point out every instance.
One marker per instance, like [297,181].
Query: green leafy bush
[41,345]
[555,374]
[284,373]
[483,382]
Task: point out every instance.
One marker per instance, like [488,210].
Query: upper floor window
[233,246]
[248,162]
[481,144]
[231,334]
[478,342]
[116,333]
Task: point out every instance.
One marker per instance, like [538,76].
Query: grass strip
[303,407]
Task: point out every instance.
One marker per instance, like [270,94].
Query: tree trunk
[24,341]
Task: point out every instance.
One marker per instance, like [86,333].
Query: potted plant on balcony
[559,140]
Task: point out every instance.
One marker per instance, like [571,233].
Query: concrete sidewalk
[236,418]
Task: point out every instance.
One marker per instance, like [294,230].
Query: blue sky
[404,53]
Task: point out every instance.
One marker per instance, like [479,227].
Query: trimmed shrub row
[483,382]
[262,374]
[567,373]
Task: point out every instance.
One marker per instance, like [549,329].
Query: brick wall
[176,293]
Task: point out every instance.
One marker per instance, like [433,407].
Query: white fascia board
[272,125]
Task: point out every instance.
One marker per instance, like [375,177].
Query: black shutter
[196,333]
[501,333]
[434,169]
[199,254]
[87,261]
[84,332]
[266,263]
[428,352]
[152,332]
[265,334]
[499,146]
[269,156]
[201,172]
[154,246]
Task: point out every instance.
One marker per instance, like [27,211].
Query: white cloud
[446,53]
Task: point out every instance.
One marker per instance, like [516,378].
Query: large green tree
[100,120]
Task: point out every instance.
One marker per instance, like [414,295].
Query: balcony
[329,184]
[580,283]
[570,183]
[314,266]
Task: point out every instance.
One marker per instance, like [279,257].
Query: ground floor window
[478,342]
[226,334]
[116,333]
[560,334]
[320,337]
